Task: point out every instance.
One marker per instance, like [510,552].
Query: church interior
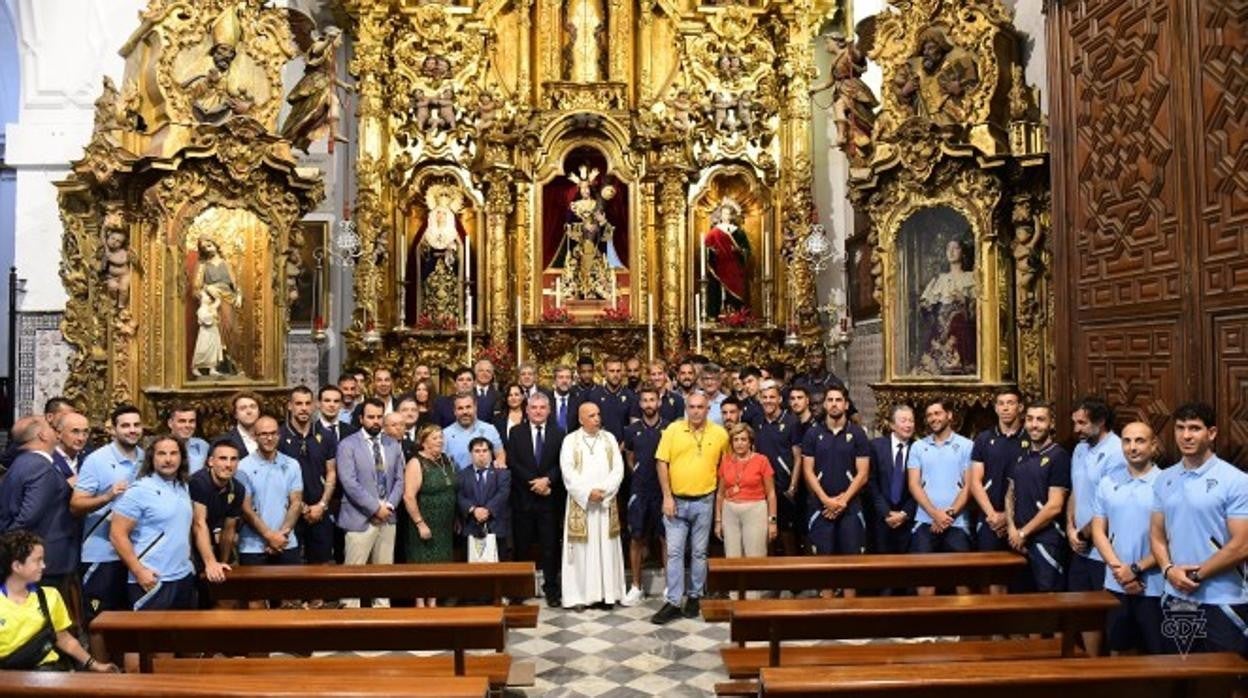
[917,200]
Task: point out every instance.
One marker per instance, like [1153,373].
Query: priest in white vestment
[593,468]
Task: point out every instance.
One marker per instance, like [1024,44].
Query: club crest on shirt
[318,438]
[1210,483]
[1025,443]
[848,437]
[992,442]
[229,498]
[1044,461]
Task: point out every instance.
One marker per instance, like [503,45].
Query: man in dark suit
[537,490]
[444,405]
[245,406]
[484,496]
[34,496]
[53,409]
[892,504]
[483,387]
[564,401]
[72,435]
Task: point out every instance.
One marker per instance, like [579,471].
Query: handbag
[31,653]
[483,549]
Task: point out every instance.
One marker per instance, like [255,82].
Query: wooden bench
[301,631]
[1196,676]
[82,685]
[742,574]
[493,667]
[492,581]
[745,662]
[774,621]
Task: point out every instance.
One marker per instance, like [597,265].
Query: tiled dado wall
[866,366]
[43,360]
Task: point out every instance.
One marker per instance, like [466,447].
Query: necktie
[480,485]
[899,474]
[380,464]
[538,444]
[563,412]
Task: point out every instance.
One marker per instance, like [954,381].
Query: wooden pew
[741,574]
[83,685]
[484,581]
[745,662]
[301,631]
[493,667]
[1195,676]
[774,621]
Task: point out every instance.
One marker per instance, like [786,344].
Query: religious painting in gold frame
[313,282]
[720,250]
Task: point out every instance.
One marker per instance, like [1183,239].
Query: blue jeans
[693,523]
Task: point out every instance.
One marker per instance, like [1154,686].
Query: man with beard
[686,378]
[836,461]
[615,401]
[104,477]
[632,372]
[217,505]
[444,405]
[467,427]
[645,502]
[584,377]
[671,404]
[995,450]
[349,389]
[778,440]
[937,469]
[308,443]
[799,407]
[370,469]
[1038,485]
[564,400]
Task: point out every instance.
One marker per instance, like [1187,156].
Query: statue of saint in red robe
[727,253]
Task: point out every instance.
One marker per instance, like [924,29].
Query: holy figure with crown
[587,253]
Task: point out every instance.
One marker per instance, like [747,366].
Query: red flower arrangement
[440,322]
[556,316]
[620,313]
[497,354]
[741,317]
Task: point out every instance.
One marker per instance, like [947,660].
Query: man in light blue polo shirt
[457,436]
[183,420]
[1121,511]
[1098,453]
[151,531]
[1199,525]
[274,483]
[103,477]
[937,470]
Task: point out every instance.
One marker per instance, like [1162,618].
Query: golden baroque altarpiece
[954,182]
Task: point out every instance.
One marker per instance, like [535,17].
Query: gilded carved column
[645,91]
[369,63]
[498,207]
[523,75]
[797,180]
[672,209]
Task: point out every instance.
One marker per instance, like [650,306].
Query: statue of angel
[853,104]
[315,109]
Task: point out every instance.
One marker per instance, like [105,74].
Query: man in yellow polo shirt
[688,460]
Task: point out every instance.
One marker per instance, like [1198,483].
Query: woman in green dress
[429,495]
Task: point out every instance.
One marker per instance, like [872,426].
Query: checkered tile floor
[619,654]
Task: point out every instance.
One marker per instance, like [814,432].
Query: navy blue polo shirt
[615,406]
[803,427]
[998,451]
[751,412]
[835,458]
[671,407]
[642,440]
[312,452]
[1033,474]
[776,439]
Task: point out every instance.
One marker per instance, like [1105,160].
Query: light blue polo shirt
[1196,505]
[196,453]
[1126,504]
[942,471]
[161,537]
[1088,464]
[715,409]
[455,440]
[269,483]
[102,469]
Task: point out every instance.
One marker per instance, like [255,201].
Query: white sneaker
[632,598]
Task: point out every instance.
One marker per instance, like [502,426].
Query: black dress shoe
[692,609]
[553,602]
[666,615]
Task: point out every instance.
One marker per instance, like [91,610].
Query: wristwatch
[1135,569]
[1194,575]
[771,519]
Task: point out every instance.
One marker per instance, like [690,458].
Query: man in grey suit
[370,470]
[34,496]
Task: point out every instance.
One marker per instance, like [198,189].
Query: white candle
[519,327]
[559,292]
[650,326]
[766,256]
[467,259]
[613,302]
[468,315]
[703,257]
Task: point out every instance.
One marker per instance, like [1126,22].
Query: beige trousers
[745,529]
[373,546]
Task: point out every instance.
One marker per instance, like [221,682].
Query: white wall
[65,47]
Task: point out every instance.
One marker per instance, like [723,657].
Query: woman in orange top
[745,510]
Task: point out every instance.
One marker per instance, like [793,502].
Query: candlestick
[697,331]
[650,327]
[766,256]
[468,315]
[613,295]
[467,259]
[519,326]
[559,292]
[703,242]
